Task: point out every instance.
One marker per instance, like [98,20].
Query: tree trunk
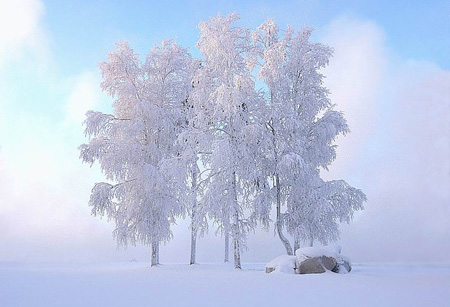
[236,245]
[155,254]
[235,228]
[193,221]
[283,239]
[279,225]
[193,245]
[296,244]
[227,244]
[311,242]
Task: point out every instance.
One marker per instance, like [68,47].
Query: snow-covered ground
[135,284]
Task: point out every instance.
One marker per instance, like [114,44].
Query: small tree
[135,145]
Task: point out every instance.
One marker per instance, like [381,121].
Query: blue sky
[390,75]
[78,34]
[81,32]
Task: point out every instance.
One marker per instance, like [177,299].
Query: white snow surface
[136,284]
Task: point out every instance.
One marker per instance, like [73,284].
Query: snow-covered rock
[311,260]
[282,264]
[343,265]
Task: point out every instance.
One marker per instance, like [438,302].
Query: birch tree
[135,144]
[226,106]
[302,126]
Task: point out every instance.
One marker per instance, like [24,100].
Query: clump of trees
[198,138]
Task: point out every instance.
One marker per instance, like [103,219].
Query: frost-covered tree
[226,106]
[135,145]
[302,128]
[194,138]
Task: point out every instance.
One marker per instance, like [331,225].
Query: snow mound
[334,248]
[282,264]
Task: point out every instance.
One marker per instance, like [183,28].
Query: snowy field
[135,284]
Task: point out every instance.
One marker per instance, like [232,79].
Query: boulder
[311,266]
[329,263]
[316,265]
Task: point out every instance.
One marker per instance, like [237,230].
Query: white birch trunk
[235,228]
[236,245]
[193,219]
[296,245]
[278,222]
[193,246]
[227,244]
[155,254]
[283,239]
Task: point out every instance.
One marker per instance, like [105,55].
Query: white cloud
[21,33]
[44,191]
[20,28]
[44,188]
[84,96]
[398,151]
[356,77]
